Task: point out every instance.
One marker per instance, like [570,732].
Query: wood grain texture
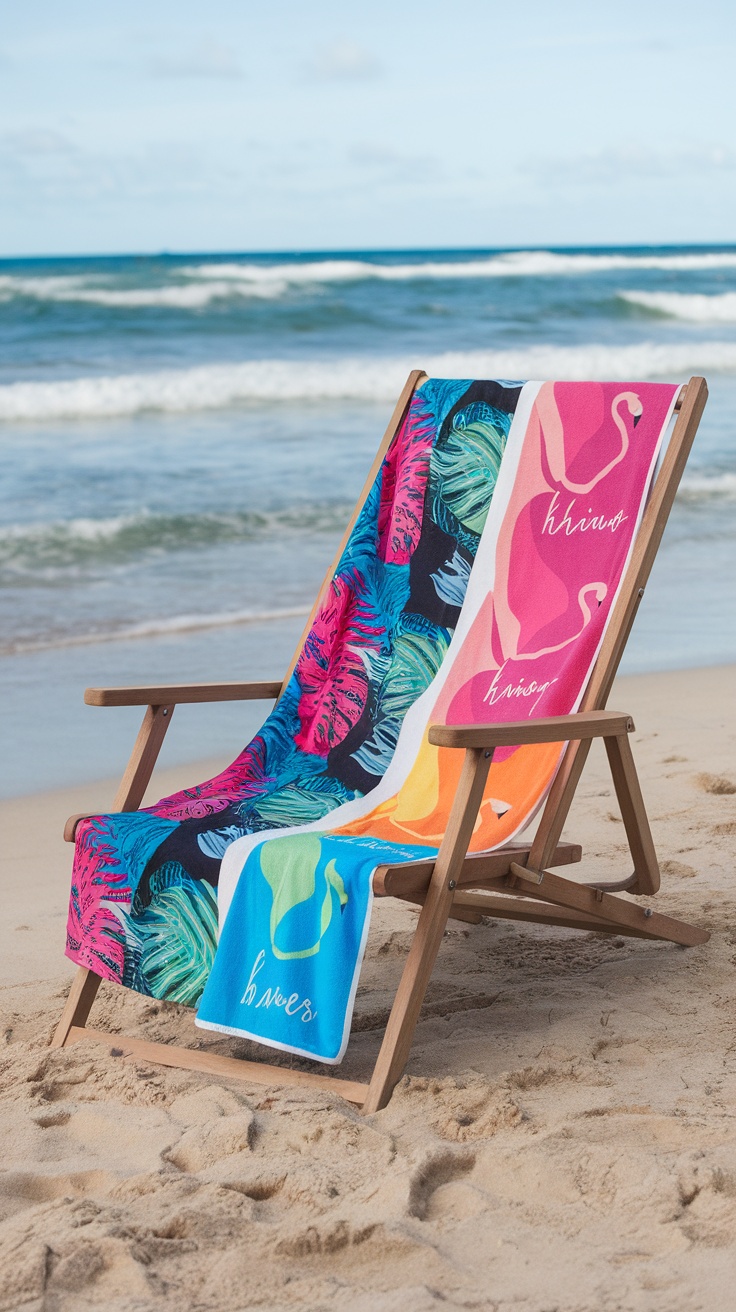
[556,728]
[211,1063]
[143,758]
[633,814]
[413,877]
[173,694]
[70,827]
[78,1005]
[536,912]
[430,927]
[605,906]
[468,917]
[138,770]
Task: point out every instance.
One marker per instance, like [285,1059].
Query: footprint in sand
[462,1110]
[717,784]
[205,1145]
[217,1124]
[438,1169]
[677,869]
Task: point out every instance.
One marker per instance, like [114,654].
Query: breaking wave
[695,308]
[708,487]
[186,296]
[33,548]
[368,379]
[197,285]
[510,264]
[40,551]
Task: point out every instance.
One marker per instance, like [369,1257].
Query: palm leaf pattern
[466,461]
[171,941]
[143,906]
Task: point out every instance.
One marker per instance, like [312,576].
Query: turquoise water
[181,441]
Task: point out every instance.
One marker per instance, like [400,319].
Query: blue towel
[290,980]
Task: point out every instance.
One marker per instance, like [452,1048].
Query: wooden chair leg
[430,927]
[78,1004]
[409,998]
[138,770]
[633,814]
[143,758]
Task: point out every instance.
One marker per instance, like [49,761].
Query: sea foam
[195,286]
[695,307]
[366,379]
[179,296]
[702,486]
[159,628]
[509,264]
[44,547]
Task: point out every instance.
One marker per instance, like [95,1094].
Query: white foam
[695,308]
[377,379]
[80,529]
[188,296]
[699,487]
[511,264]
[175,624]
[59,543]
[212,280]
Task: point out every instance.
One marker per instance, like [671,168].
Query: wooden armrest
[174,693]
[556,729]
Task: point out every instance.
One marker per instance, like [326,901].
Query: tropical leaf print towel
[144,885]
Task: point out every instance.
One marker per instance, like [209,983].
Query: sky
[237,126]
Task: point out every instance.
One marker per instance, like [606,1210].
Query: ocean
[182,439]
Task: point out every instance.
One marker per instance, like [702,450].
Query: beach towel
[143,906]
[567,500]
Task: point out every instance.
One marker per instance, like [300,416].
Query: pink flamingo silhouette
[551,424]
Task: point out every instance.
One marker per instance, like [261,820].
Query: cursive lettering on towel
[520,689]
[293,1005]
[581,525]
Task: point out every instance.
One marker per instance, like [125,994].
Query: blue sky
[242,126]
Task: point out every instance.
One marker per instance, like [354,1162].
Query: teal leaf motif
[464,466]
[300,806]
[173,939]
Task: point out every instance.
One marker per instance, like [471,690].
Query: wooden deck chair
[515,882]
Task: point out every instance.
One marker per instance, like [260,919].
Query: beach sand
[565,1138]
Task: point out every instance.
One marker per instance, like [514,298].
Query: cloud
[383,163]
[373,155]
[36,141]
[209,60]
[631,162]
[344,61]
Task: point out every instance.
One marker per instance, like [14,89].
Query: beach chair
[514,882]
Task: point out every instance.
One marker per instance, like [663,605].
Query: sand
[564,1140]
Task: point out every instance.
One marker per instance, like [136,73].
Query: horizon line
[343,251]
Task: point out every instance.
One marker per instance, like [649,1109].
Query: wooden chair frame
[513,882]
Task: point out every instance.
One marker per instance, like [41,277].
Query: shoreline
[645,688]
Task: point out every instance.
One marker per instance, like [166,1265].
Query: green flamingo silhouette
[289,866]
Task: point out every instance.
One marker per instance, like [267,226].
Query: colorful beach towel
[143,906]
[569,494]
